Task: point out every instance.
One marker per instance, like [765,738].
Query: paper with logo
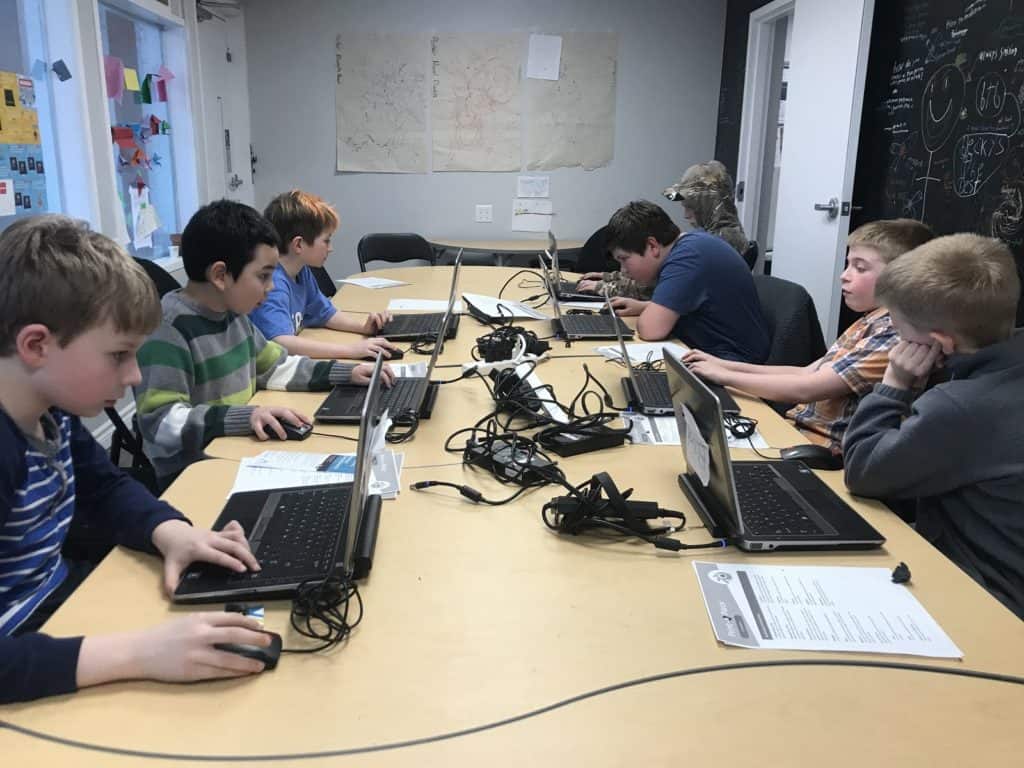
[695,447]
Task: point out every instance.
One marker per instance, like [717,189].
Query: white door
[827,62]
[225,88]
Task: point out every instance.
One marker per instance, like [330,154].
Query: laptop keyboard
[593,325]
[407,325]
[654,391]
[404,395]
[767,509]
[302,535]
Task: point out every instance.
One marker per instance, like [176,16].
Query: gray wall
[10,38]
[669,65]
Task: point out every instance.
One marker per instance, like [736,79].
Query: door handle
[831,207]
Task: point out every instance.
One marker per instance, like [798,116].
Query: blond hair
[890,237]
[56,272]
[964,285]
[300,214]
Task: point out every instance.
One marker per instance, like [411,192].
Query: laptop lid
[719,494]
[622,348]
[553,254]
[550,286]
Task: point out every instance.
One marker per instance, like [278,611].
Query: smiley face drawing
[941,103]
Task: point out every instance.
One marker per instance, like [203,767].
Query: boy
[956,449]
[305,224]
[829,389]
[203,364]
[703,291]
[73,309]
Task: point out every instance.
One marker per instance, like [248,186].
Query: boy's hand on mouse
[370,347]
[269,417]
[628,307]
[181,545]
[361,374]
[375,321]
[910,364]
[182,650]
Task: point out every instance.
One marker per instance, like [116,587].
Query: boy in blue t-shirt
[703,291]
[305,224]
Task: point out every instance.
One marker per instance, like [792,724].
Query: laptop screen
[622,346]
[719,496]
[553,255]
[361,480]
[550,286]
[446,320]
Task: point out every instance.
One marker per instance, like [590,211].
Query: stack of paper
[643,352]
[286,469]
[489,305]
[373,282]
[424,305]
[664,430]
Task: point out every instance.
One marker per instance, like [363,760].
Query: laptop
[423,325]
[299,535]
[582,327]
[647,392]
[758,505]
[565,289]
[409,395]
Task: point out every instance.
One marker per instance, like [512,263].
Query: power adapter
[506,461]
[593,438]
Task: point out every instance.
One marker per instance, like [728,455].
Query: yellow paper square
[131,79]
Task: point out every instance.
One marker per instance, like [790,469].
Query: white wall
[669,66]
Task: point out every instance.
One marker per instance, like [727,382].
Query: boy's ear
[295,245]
[34,343]
[217,274]
[946,342]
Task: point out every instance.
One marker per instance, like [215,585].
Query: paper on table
[431,305]
[409,370]
[544,57]
[663,430]
[642,352]
[373,282]
[811,608]
[284,469]
[489,306]
[590,306]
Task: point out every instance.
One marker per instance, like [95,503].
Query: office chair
[324,281]
[793,326]
[394,247]
[594,256]
[751,253]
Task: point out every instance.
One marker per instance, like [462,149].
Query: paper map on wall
[475,112]
[382,103]
[572,120]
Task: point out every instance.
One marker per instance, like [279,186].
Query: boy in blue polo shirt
[305,224]
[703,291]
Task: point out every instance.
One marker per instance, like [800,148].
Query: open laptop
[647,392]
[424,325]
[299,535]
[759,505]
[409,395]
[566,290]
[585,326]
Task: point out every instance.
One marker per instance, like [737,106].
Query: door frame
[754,117]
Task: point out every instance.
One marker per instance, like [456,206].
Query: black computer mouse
[396,354]
[814,456]
[291,431]
[268,655]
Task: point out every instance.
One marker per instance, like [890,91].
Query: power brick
[573,443]
[498,456]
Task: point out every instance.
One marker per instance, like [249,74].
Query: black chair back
[161,278]
[594,256]
[324,281]
[751,253]
[792,321]
[393,247]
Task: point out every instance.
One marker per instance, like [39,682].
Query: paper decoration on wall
[61,70]
[161,90]
[147,89]
[123,136]
[131,79]
[139,197]
[19,122]
[164,73]
[7,198]
[113,69]
[154,125]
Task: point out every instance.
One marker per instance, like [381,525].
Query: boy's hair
[56,272]
[891,237]
[224,231]
[631,225]
[965,285]
[300,214]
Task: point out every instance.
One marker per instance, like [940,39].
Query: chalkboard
[941,134]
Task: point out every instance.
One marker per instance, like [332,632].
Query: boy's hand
[182,650]
[589,286]
[710,370]
[181,545]
[910,364]
[362,372]
[628,307]
[595,276]
[370,347]
[375,321]
[697,356]
[269,417]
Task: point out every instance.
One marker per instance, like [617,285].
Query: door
[828,54]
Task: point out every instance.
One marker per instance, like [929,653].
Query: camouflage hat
[701,179]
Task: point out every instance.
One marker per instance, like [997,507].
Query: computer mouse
[268,655]
[814,456]
[396,354]
[291,431]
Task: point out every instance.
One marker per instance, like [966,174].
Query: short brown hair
[631,225]
[891,237]
[300,214]
[54,271]
[965,285]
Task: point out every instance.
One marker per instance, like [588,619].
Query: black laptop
[409,395]
[566,290]
[424,325]
[584,326]
[758,505]
[299,535]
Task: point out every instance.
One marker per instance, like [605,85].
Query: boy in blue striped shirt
[74,309]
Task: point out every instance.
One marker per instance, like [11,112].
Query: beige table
[489,639]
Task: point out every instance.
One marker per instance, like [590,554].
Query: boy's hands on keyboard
[375,321]
[361,374]
[370,347]
[628,307]
[269,417]
[181,545]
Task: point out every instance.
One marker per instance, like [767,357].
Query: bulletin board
[22,171]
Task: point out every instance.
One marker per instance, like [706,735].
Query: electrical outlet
[484,214]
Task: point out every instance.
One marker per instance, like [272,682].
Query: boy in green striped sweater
[204,363]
